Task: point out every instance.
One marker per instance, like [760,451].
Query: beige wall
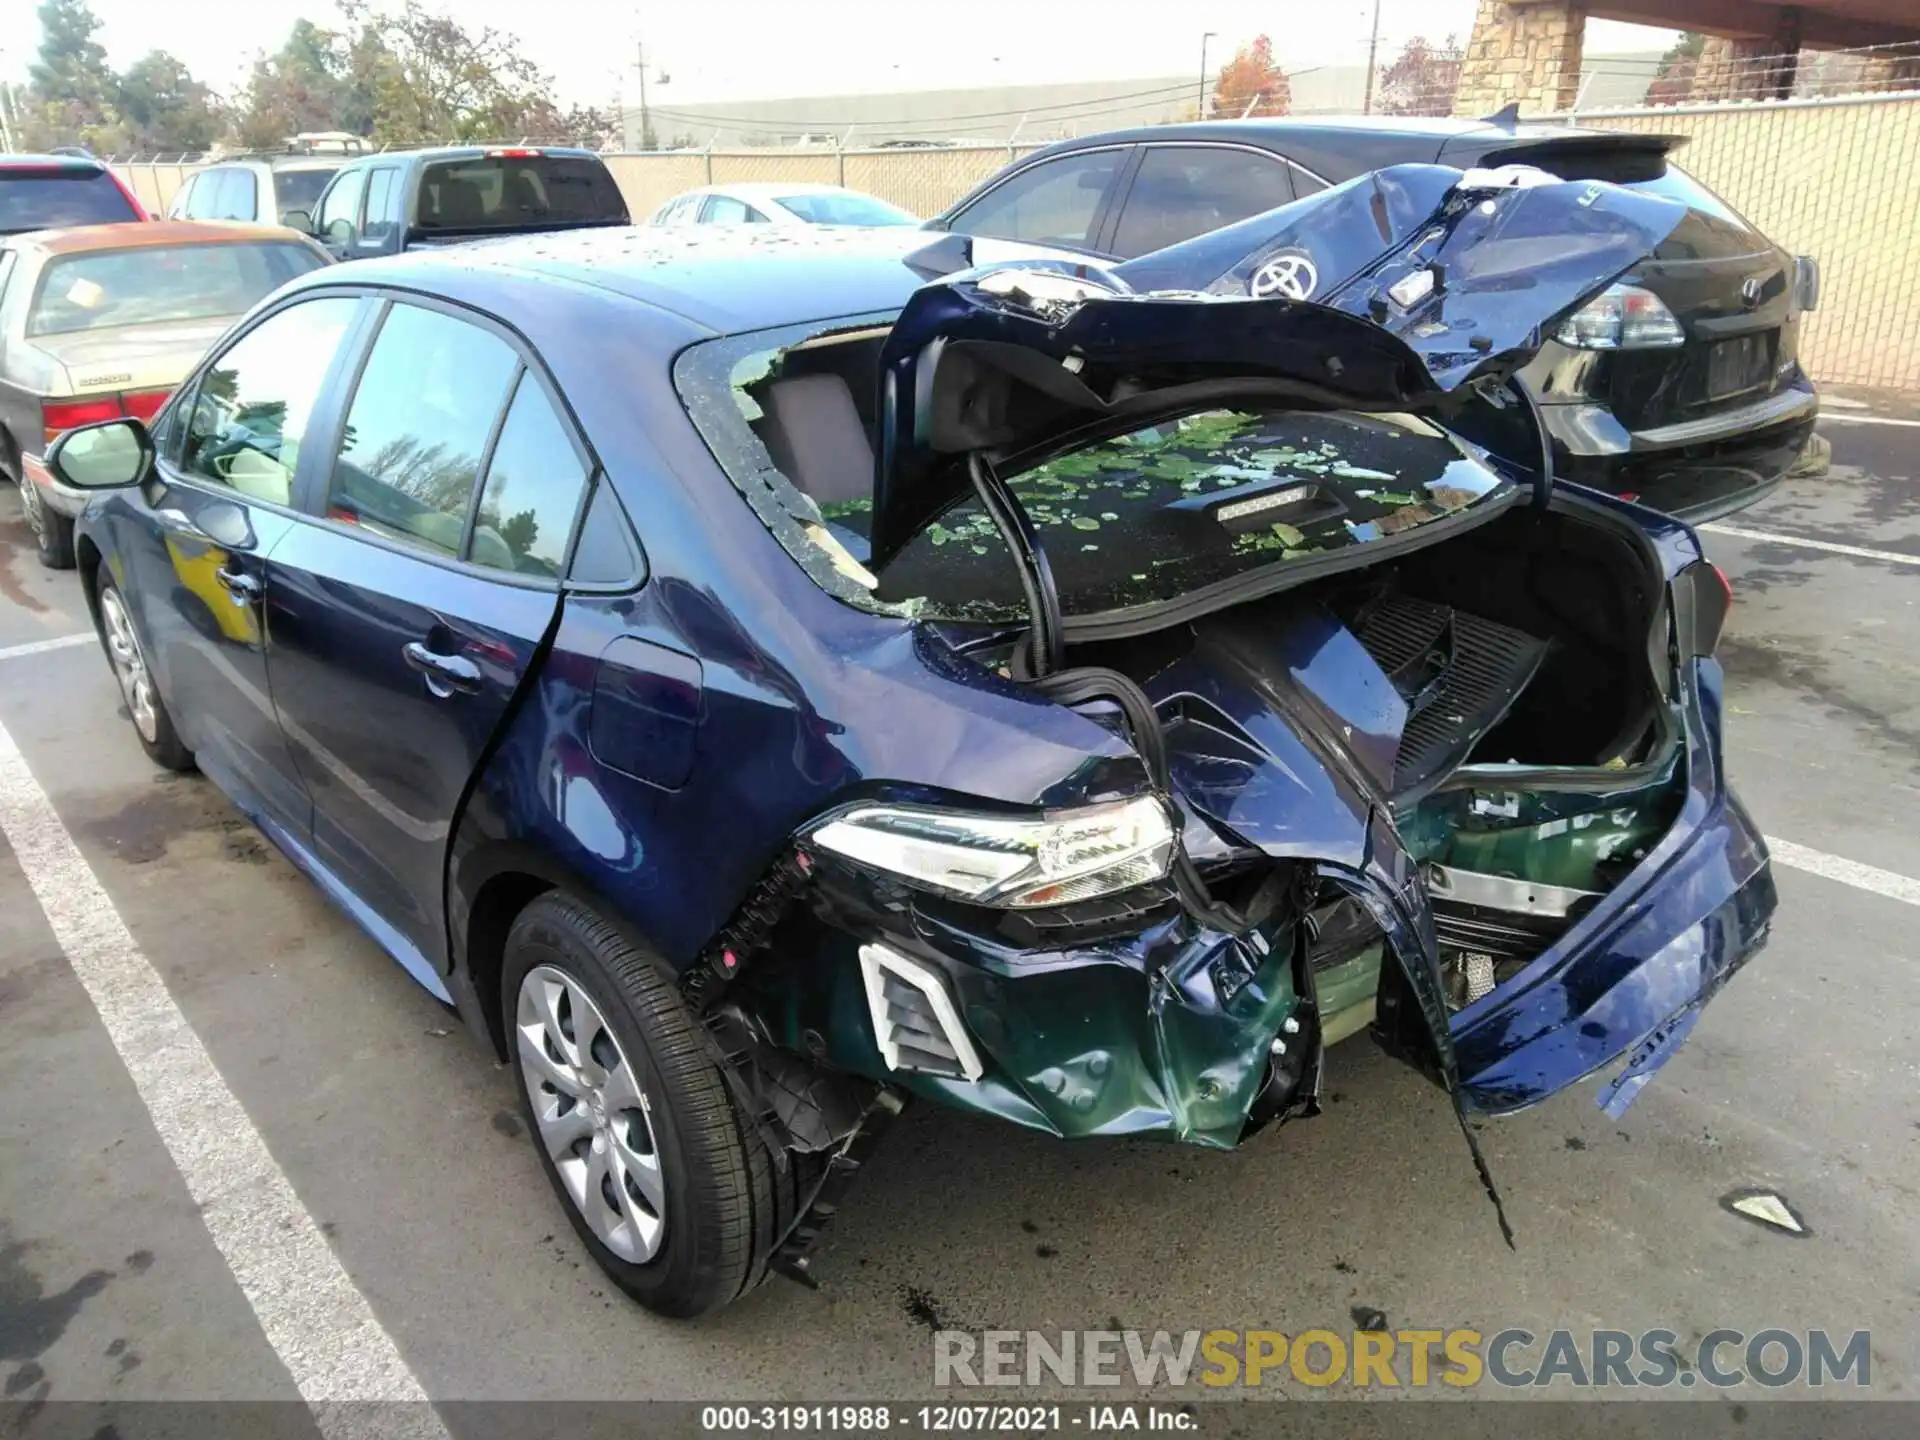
[1838,181]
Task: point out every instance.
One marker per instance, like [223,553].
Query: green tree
[72,92]
[305,85]
[431,79]
[165,108]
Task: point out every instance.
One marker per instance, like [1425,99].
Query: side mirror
[340,232]
[102,456]
[300,220]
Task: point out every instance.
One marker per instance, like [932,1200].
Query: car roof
[50,162]
[1337,148]
[467,152]
[722,278]
[144,234]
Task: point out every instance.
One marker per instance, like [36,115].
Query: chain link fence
[1832,176]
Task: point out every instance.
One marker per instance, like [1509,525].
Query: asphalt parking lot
[120,1279]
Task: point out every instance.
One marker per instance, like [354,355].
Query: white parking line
[318,1323]
[1848,872]
[1868,420]
[1773,537]
[39,647]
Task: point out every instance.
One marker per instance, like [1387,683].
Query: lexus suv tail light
[1622,317]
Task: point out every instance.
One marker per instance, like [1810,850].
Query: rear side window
[52,198]
[249,413]
[239,196]
[1052,203]
[1181,191]
[153,284]
[422,415]
[725,210]
[534,483]
[507,192]
[383,204]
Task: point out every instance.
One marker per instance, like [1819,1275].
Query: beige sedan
[104,320]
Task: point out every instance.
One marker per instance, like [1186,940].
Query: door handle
[242,586]
[446,674]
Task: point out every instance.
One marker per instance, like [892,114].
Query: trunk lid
[131,357]
[1396,291]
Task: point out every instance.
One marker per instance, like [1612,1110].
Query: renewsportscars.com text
[1382,1359]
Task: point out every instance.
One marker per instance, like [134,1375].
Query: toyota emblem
[1291,274]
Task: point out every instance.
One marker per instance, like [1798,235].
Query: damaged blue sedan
[759,679]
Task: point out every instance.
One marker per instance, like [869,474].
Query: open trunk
[1505,695]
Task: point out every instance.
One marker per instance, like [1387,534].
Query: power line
[1164,92]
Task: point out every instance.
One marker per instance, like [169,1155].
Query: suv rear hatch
[1736,294]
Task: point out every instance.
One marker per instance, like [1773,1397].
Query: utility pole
[646,125]
[1373,59]
[1202,110]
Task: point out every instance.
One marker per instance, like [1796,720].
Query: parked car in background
[1680,387]
[104,320]
[779,203]
[383,204]
[262,190]
[756,684]
[43,192]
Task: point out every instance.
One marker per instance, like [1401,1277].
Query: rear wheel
[145,708]
[669,1190]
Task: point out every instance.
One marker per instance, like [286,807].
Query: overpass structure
[1529,51]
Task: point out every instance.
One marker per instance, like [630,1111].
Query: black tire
[725,1204]
[153,724]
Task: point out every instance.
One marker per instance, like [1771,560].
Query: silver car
[104,320]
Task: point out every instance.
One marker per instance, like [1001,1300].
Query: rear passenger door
[1180,191]
[416,597]
[1062,202]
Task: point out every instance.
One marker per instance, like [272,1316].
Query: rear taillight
[1622,317]
[144,404]
[59,416]
[1703,598]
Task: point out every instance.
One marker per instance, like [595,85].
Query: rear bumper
[1698,469]
[1627,983]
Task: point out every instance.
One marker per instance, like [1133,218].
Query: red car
[51,192]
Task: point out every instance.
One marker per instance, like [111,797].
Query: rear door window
[57,196]
[239,196]
[1181,191]
[423,414]
[249,413]
[1056,202]
[383,205]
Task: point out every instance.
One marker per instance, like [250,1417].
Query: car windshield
[153,284]
[51,199]
[300,189]
[1138,518]
[516,191]
[841,208]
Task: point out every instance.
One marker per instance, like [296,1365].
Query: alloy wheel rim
[593,1116]
[129,666]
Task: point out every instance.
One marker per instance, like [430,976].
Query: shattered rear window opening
[1136,519]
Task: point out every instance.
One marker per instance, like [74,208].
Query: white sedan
[779,203]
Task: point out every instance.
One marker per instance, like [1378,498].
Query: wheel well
[495,908]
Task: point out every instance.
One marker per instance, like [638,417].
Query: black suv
[1679,387]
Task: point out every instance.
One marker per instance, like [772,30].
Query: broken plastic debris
[1766,1207]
